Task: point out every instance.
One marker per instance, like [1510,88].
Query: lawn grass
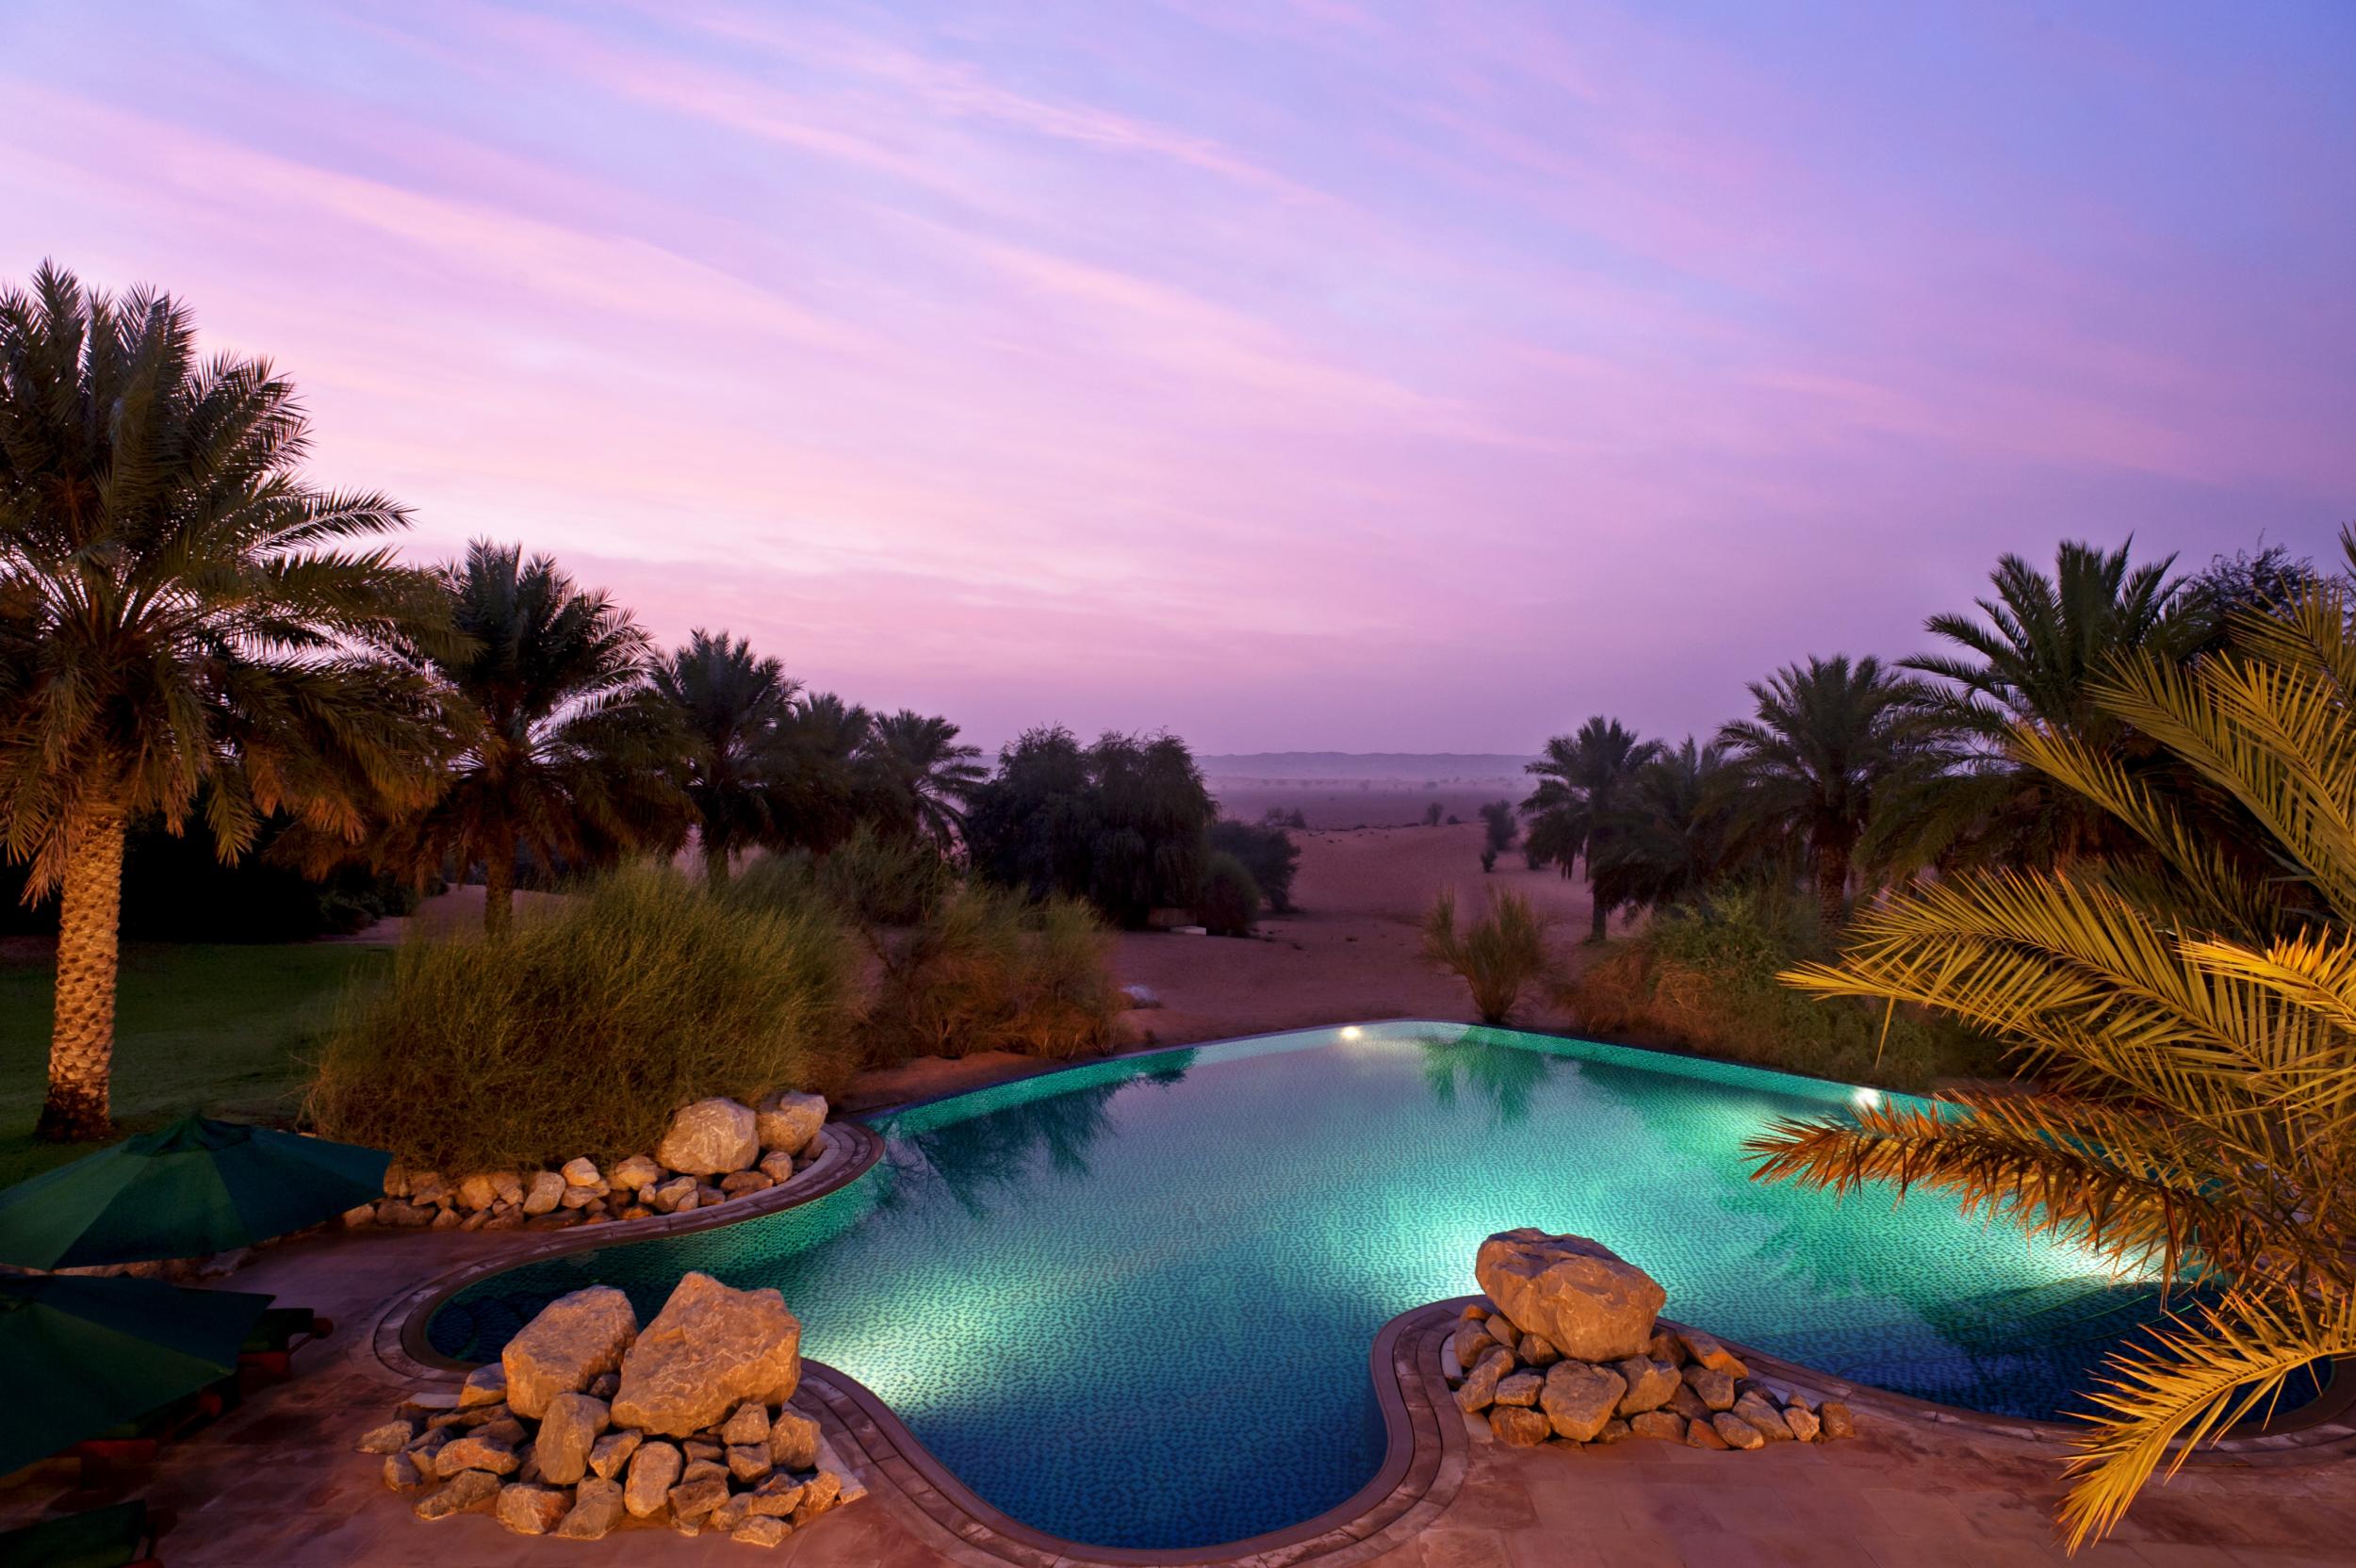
[220,1029]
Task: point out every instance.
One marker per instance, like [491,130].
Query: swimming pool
[1130,1304]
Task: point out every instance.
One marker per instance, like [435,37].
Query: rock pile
[1569,1346]
[588,1423]
[713,1150]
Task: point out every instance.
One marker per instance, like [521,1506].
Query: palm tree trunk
[1600,923]
[82,1040]
[1832,884]
[499,890]
[715,867]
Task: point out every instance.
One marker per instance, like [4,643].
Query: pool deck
[277,1482]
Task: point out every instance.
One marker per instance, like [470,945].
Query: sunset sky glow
[1284,374]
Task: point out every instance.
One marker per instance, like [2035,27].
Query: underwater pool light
[1352,1032]
[1865,1100]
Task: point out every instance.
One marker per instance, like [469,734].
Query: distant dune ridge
[1404,767]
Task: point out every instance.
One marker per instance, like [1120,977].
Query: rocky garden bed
[588,1423]
[1569,1347]
[714,1151]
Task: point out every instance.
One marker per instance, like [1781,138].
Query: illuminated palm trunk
[82,1040]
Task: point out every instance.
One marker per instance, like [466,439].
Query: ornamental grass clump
[581,1030]
[1499,955]
[987,970]
[2189,1009]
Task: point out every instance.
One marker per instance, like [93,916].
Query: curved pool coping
[1426,1441]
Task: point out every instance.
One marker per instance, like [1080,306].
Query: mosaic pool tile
[1130,1304]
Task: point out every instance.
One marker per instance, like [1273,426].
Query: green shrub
[1502,828]
[1227,900]
[1501,954]
[1268,852]
[869,879]
[984,971]
[585,1028]
[1702,978]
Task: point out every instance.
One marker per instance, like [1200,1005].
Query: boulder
[1687,1404]
[1714,1388]
[1479,1388]
[1755,1409]
[1519,1427]
[573,1339]
[737,1184]
[1705,1350]
[711,1137]
[1520,1388]
[363,1214]
[707,1351]
[821,1493]
[1802,1423]
[1837,1422]
[1664,1345]
[763,1531]
[750,1461]
[1701,1434]
[610,1453]
[1657,1423]
[790,1122]
[406,1216]
[532,1509]
[750,1423]
[468,1489]
[485,1385]
[479,1191]
[596,1510]
[390,1438]
[636,1172]
[672,1196]
[581,1172]
[545,1191]
[776,1164]
[1587,1302]
[1579,1398]
[1650,1383]
[776,1498]
[1614,1430]
[567,1433]
[474,1451]
[1737,1432]
[404,1474]
[705,1488]
[1471,1342]
[792,1441]
[1537,1350]
[654,1469]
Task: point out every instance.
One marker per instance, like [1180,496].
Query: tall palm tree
[734,711]
[2192,1010]
[1809,769]
[568,756]
[189,628]
[1669,835]
[2035,660]
[830,788]
[1580,780]
[922,775]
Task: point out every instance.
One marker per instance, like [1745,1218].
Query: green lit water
[1130,1304]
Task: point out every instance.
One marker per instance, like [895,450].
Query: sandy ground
[1352,951]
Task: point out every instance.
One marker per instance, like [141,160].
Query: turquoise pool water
[1130,1304]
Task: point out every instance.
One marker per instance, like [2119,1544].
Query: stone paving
[276,1483]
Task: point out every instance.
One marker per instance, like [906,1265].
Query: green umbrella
[79,1355]
[195,1186]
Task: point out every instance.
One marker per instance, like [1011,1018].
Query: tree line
[1852,776]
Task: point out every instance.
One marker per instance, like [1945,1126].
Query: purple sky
[1319,374]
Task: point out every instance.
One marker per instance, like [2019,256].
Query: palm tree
[187,629]
[2035,661]
[734,711]
[2188,1010]
[922,775]
[827,783]
[1668,838]
[1580,780]
[1810,768]
[569,753]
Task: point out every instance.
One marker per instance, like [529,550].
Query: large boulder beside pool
[709,1350]
[1584,1299]
[563,1349]
[711,1137]
[790,1122]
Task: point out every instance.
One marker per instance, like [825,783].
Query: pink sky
[1286,375]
